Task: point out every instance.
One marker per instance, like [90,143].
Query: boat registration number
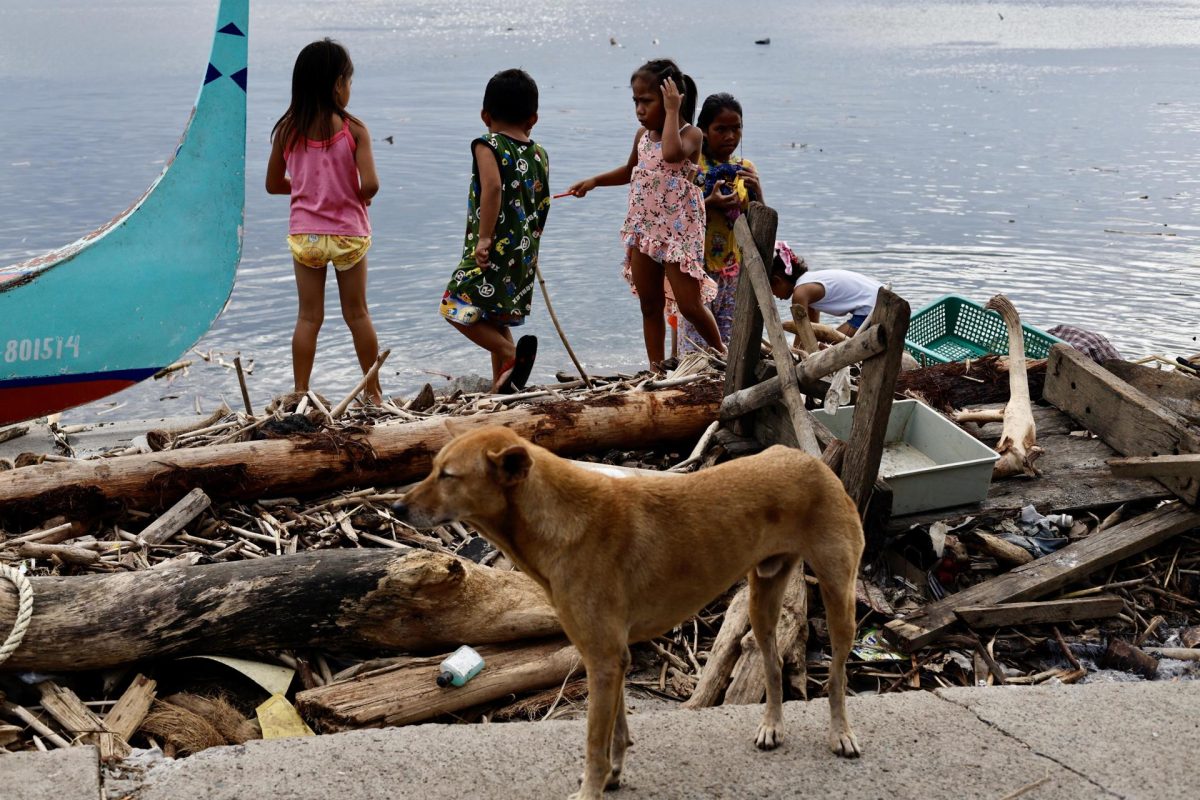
[49,348]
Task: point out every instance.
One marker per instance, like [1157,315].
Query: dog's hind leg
[766,598]
[837,578]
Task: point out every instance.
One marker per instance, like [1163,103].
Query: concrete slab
[72,774]
[917,746]
[1134,739]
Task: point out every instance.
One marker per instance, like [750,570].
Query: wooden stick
[237,362]
[804,331]
[562,336]
[178,516]
[23,714]
[341,407]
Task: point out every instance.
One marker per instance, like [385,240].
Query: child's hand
[580,188]
[672,99]
[721,200]
[750,176]
[483,249]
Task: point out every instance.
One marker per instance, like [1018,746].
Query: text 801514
[49,348]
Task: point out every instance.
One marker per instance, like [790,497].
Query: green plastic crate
[953,328]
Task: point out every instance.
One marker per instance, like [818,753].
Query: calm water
[1048,150]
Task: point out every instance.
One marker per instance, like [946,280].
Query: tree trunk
[959,384]
[385,455]
[412,601]
[408,692]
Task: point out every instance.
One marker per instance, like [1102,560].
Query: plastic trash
[459,667]
[1038,534]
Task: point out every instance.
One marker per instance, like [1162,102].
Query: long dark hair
[314,78]
[658,71]
[714,104]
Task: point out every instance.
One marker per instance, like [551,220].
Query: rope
[24,610]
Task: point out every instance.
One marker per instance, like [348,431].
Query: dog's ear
[510,465]
[455,427]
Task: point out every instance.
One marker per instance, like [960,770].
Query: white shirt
[846,292]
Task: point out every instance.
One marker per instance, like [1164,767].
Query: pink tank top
[325,187]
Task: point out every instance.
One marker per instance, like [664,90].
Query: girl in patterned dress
[664,228]
[491,289]
[730,183]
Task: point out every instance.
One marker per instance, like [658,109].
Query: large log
[959,384]
[408,692]
[383,455]
[400,600]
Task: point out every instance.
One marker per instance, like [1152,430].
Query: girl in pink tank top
[321,156]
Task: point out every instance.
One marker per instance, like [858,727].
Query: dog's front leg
[606,678]
[621,738]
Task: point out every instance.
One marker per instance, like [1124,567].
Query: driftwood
[413,601]
[1156,466]
[131,708]
[383,455]
[408,692]
[975,382]
[1042,576]
[1018,442]
[726,650]
[78,720]
[1128,420]
[1007,553]
[1039,613]
[748,684]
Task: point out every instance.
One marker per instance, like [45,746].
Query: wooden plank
[1172,388]
[126,716]
[1038,613]
[176,517]
[825,362]
[1183,466]
[1128,420]
[78,720]
[874,404]
[745,338]
[1039,578]
[752,265]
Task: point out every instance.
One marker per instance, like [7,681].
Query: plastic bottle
[459,667]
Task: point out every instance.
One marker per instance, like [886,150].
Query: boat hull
[112,308]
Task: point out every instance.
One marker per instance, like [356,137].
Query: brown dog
[624,559]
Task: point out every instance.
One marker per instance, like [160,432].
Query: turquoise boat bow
[129,298]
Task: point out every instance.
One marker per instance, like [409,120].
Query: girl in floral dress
[664,228]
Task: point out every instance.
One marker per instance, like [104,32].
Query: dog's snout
[400,509]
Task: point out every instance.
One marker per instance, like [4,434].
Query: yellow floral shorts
[319,249]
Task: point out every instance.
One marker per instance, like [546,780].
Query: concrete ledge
[72,774]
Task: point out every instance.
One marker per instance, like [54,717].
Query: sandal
[521,366]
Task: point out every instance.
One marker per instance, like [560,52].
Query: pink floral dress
[666,218]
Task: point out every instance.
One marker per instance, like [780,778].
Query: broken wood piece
[1181,466]
[1046,574]
[176,518]
[126,715]
[341,407]
[868,343]
[78,720]
[408,692]
[1018,441]
[1128,420]
[1007,553]
[63,552]
[793,400]
[386,455]
[398,600]
[13,432]
[726,649]
[1171,388]
[1037,613]
[1177,653]
[748,683]
[806,337]
[15,711]
[981,417]
[1128,658]
[874,404]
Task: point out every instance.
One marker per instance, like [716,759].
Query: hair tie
[786,256]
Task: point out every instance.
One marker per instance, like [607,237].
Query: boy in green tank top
[491,290]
